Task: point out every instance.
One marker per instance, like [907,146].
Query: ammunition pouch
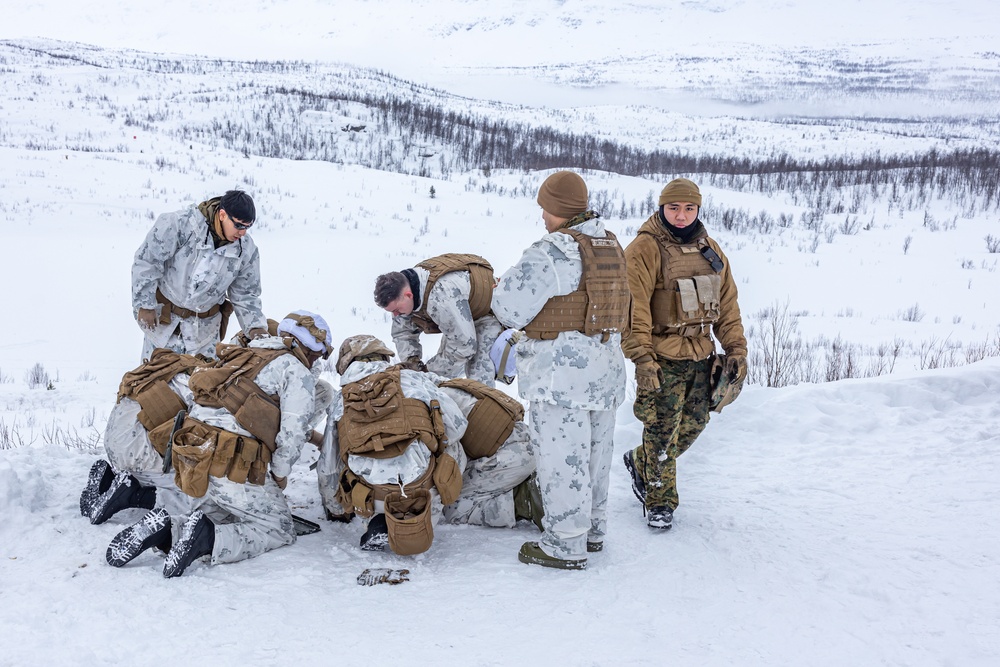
[200,450]
[159,403]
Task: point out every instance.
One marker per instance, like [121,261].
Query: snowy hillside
[848,155]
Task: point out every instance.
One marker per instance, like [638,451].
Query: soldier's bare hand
[146,317]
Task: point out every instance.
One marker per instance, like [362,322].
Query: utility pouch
[260,417]
[687,298]
[225,450]
[409,522]
[709,288]
[192,450]
[259,466]
[159,405]
[159,437]
[246,452]
[447,478]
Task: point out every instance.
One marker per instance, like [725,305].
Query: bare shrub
[906,244]
[36,376]
[912,314]
[5,379]
[992,243]
[776,347]
[71,438]
[841,361]
[11,435]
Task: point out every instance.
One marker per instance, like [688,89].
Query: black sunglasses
[238,225]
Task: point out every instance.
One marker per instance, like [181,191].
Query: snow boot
[152,530]
[101,474]
[660,518]
[377,536]
[638,486]
[594,547]
[528,501]
[532,554]
[123,492]
[197,539]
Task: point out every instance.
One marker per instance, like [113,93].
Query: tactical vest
[230,385]
[380,422]
[481,283]
[491,419]
[244,341]
[148,386]
[602,301]
[200,450]
[688,296]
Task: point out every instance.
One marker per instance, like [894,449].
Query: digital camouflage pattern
[672,416]
[251,519]
[573,370]
[465,343]
[573,383]
[487,497]
[179,257]
[573,449]
[409,465]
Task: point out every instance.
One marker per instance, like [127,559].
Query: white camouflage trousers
[573,449]
[487,497]
[249,519]
[129,450]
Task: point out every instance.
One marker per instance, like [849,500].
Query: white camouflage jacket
[448,306]
[573,370]
[295,387]
[179,257]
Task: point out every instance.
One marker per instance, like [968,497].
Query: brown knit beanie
[680,190]
[563,194]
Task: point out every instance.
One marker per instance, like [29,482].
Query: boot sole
[95,480]
[137,538]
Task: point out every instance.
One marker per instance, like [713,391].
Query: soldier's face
[233,229]
[552,223]
[680,214]
[401,305]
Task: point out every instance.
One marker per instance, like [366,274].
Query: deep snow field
[848,522]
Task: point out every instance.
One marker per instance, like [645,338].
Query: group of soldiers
[205,433]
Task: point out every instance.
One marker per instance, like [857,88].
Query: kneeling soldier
[236,448]
[391,452]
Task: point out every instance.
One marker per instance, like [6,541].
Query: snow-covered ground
[852,522]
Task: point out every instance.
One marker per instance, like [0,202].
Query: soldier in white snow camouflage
[194,268]
[361,357]
[573,381]
[132,475]
[488,482]
[421,301]
[241,520]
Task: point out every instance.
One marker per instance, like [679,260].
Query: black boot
[98,482]
[377,536]
[152,530]
[123,492]
[197,539]
[638,486]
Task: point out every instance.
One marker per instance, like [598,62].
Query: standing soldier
[684,292]
[570,295]
[448,294]
[194,268]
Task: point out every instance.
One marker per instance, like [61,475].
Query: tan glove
[414,364]
[648,374]
[282,482]
[736,368]
[146,317]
